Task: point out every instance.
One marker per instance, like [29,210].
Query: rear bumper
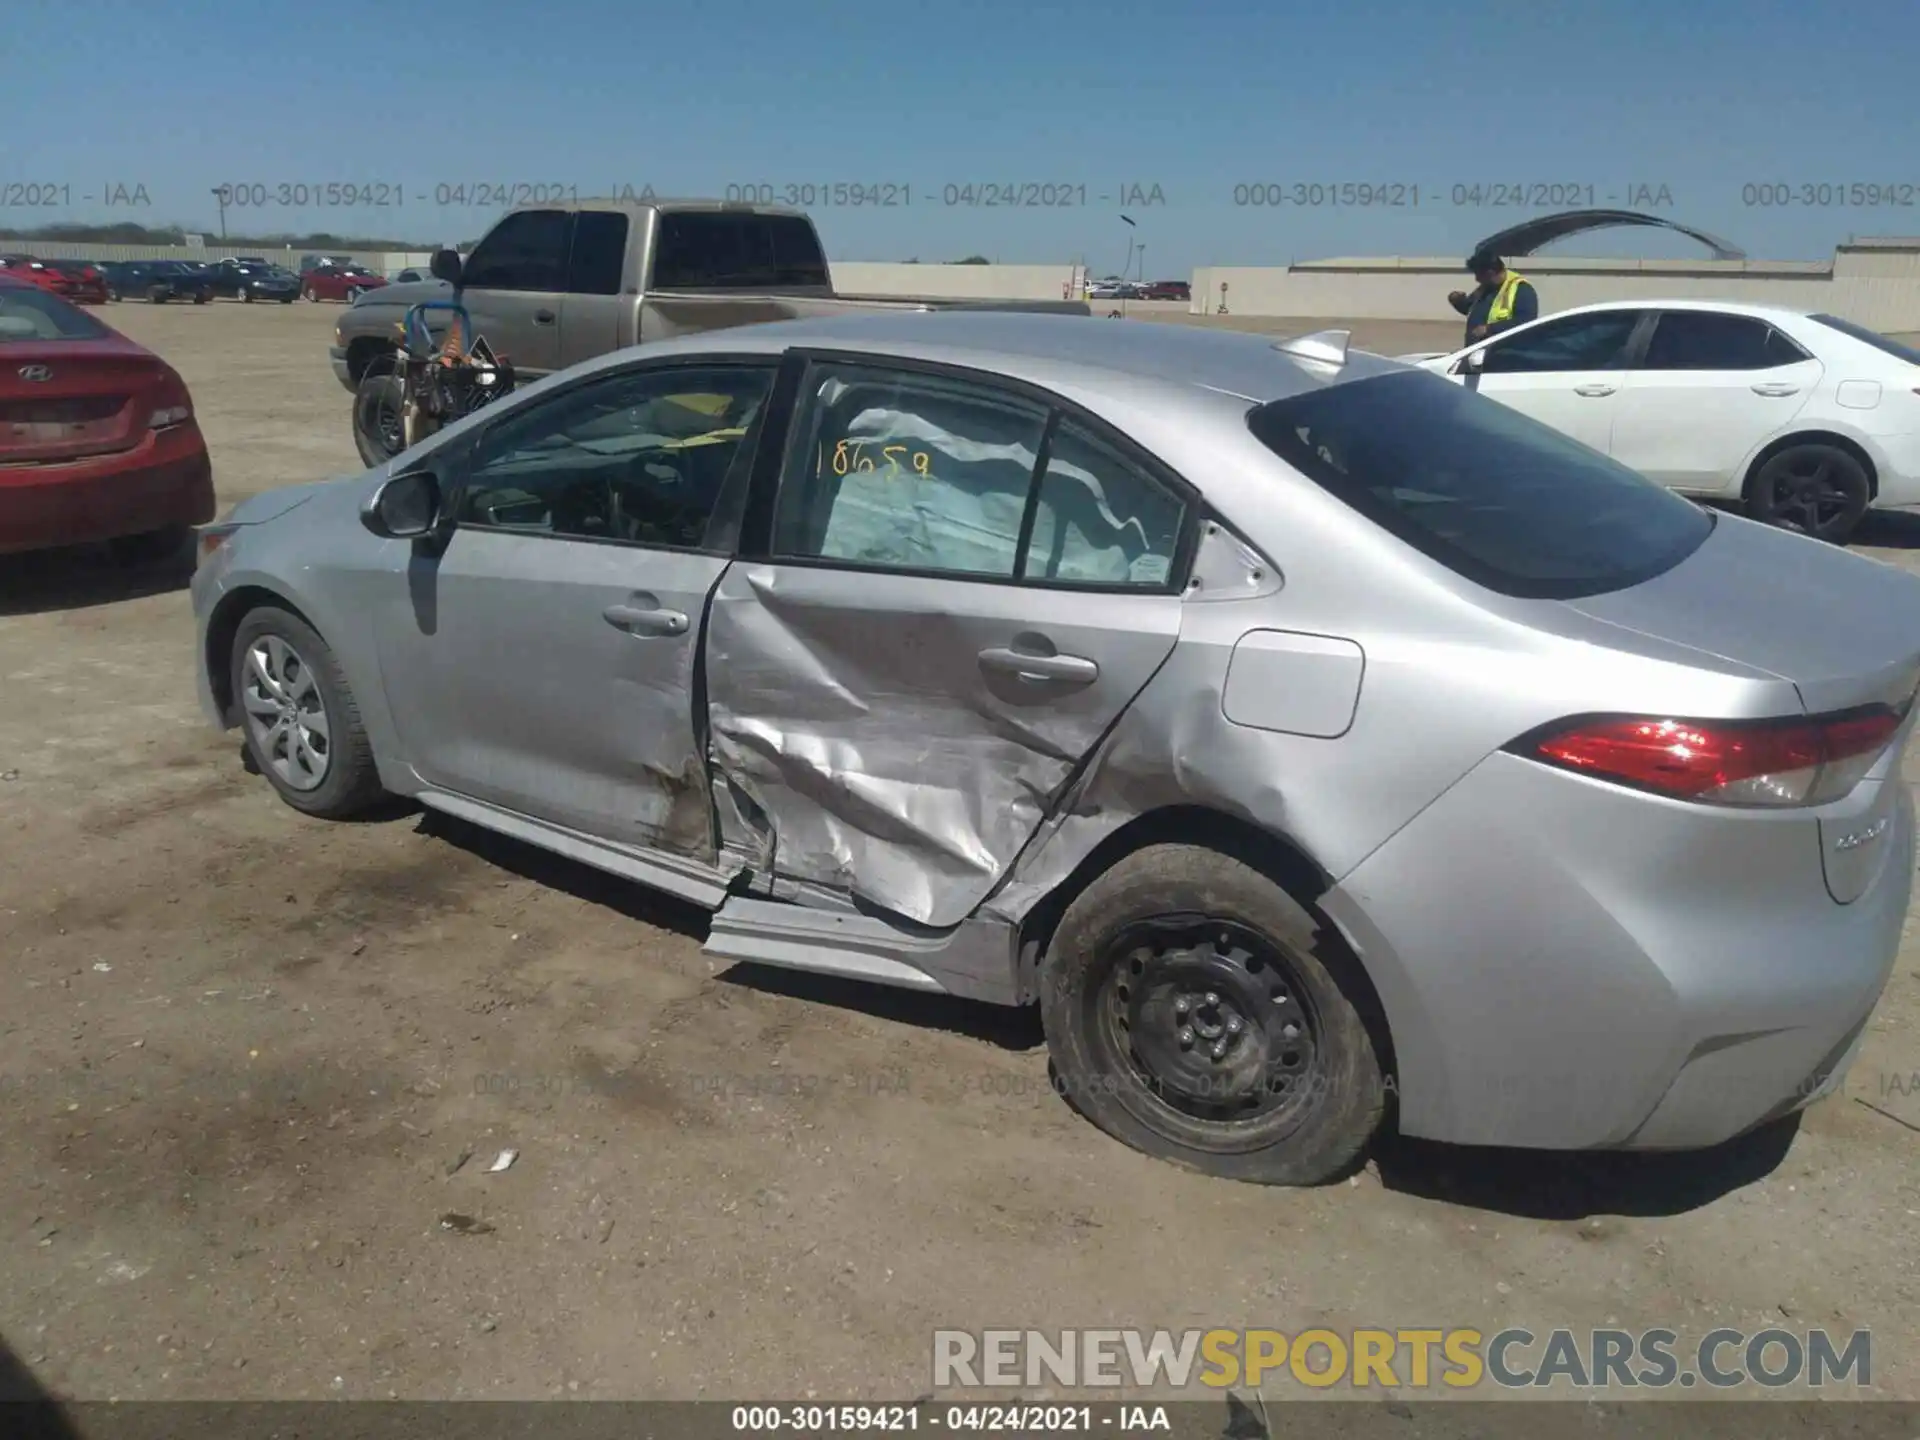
[164,481]
[1567,965]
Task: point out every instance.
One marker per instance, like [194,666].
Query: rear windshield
[729,250]
[35,315]
[1503,500]
[1871,337]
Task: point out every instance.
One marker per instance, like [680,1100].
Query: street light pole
[220,193]
[1128,265]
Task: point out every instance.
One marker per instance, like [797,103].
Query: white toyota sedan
[1808,420]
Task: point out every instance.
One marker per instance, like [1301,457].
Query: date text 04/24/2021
[1014,1418]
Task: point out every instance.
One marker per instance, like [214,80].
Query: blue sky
[1702,97]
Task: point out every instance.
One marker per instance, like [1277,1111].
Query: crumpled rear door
[885,742]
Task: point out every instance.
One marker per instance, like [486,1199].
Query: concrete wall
[957,282]
[289,256]
[1872,283]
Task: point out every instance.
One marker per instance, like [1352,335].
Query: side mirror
[445,265]
[406,507]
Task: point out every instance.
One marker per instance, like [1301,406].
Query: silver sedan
[1319,744]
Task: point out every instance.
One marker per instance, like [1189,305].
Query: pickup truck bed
[614,274]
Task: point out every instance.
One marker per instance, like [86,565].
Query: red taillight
[1727,762]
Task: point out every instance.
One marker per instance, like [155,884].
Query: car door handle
[544,317]
[636,621]
[1593,391]
[1775,388]
[1072,669]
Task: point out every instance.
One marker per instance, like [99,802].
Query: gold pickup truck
[550,286]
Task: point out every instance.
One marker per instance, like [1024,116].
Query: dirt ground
[243,1052]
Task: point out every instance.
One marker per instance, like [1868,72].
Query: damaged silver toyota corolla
[1303,732]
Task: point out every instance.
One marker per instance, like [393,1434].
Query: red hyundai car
[339,282]
[98,440]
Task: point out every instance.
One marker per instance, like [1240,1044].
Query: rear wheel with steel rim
[1814,489]
[1199,1013]
[301,722]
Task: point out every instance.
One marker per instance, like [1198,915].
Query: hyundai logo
[35,372]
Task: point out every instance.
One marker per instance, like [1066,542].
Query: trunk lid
[96,399]
[1842,629]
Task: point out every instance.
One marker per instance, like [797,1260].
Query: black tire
[308,295]
[352,782]
[1300,1094]
[1812,489]
[373,435]
[247,295]
[149,547]
[286,299]
[158,297]
[202,297]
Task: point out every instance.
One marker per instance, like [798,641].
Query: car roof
[1723,307]
[1052,350]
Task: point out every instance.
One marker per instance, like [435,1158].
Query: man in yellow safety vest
[1500,299]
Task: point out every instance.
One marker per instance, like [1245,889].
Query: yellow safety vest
[1503,302]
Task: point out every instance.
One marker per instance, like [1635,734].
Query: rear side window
[1702,340]
[1870,337]
[599,253]
[729,250]
[1501,499]
[28,314]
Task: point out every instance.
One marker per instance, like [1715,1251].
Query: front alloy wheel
[286,714]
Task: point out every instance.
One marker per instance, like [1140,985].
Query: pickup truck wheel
[377,424]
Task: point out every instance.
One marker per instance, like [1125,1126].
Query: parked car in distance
[1113,290]
[41,274]
[315,262]
[339,282]
[1806,420]
[253,280]
[1168,290]
[98,440]
[1610,848]
[169,280]
[86,285]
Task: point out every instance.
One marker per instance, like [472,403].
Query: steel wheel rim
[1807,497]
[1213,1021]
[381,418]
[286,713]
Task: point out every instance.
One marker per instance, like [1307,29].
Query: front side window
[643,458]
[1497,497]
[1573,342]
[526,251]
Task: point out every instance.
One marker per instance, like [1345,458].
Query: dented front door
[555,678]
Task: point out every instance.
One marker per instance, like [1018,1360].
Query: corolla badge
[36,372]
[1862,837]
